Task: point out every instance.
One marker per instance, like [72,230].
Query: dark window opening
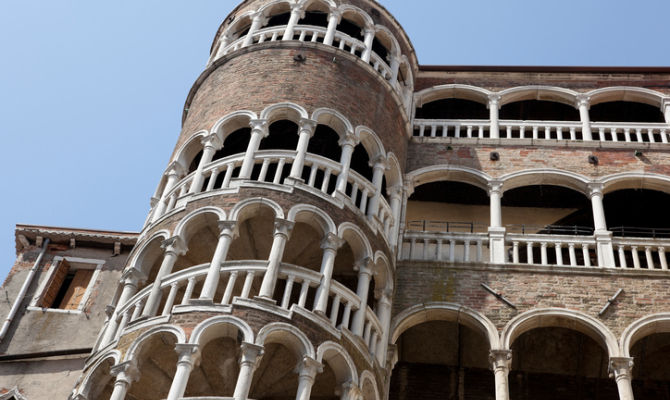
[539,110]
[625,111]
[325,142]
[283,135]
[360,162]
[637,212]
[315,18]
[453,109]
[196,161]
[235,143]
[66,288]
[351,29]
[450,192]
[380,50]
[278,20]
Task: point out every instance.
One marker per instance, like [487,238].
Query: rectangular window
[69,284]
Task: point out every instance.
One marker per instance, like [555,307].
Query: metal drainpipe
[22,292]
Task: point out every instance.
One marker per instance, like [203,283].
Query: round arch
[137,344]
[353,235]
[190,149]
[304,4]
[645,326]
[453,173]
[268,9]
[184,229]
[368,377]
[339,360]
[219,326]
[559,317]
[138,254]
[626,93]
[284,111]
[452,91]
[312,216]
[85,386]
[384,269]
[443,311]
[288,335]
[635,180]
[384,35]
[371,142]
[543,93]
[334,120]
[232,122]
[360,16]
[248,207]
[548,176]
[394,172]
[238,23]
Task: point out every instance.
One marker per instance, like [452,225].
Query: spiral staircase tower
[265,268]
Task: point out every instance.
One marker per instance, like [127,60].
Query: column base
[201,302]
[292,181]
[497,245]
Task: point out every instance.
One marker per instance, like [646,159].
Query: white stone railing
[450,247]
[316,34]
[543,249]
[323,174]
[640,253]
[544,130]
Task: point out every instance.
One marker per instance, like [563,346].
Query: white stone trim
[645,326]
[327,347]
[289,336]
[238,324]
[175,330]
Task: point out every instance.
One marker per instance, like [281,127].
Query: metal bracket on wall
[498,295]
[610,302]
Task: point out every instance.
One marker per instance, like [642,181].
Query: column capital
[349,139]
[249,353]
[335,13]
[495,187]
[259,16]
[283,227]
[188,353]
[308,367]
[395,192]
[500,360]
[384,296]
[133,276]
[621,367]
[212,140]
[595,189]
[380,162]
[175,168]
[408,187]
[228,228]
[665,103]
[583,100]
[494,100]
[368,30]
[259,126]
[363,266]
[174,245]
[331,242]
[125,372]
[307,125]
[349,391]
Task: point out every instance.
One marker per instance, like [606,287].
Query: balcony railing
[451,247]
[242,279]
[543,130]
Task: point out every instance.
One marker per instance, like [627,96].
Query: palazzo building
[338,221]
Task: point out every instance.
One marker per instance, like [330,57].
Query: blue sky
[91,92]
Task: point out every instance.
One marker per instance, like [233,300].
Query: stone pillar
[496,229]
[228,231]
[333,20]
[501,360]
[131,278]
[622,368]
[348,144]
[174,247]
[125,373]
[296,14]
[583,104]
[210,144]
[174,171]
[494,107]
[257,23]
[281,235]
[603,237]
[395,193]
[395,68]
[188,356]
[223,43]
[364,275]
[305,132]
[384,314]
[250,354]
[368,39]
[307,370]
[329,244]
[259,130]
[378,168]
[666,110]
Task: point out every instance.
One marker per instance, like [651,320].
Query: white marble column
[259,130]
[378,168]
[296,14]
[666,110]
[622,368]
[305,132]
[583,105]
[329,244]
[125,373]
[223,43]
[257,23]
[174,247]
[187,358]
[395,68]
[603,237]
[501,361]
[395,194]
[210,144]
[333,20]
[249,356]
[384,305]
[364,275]
[174,171]
[369,37]
[281,235]
[494,108]
[130,279]
[307,370]
[496,229]
[348,143]
[227,232]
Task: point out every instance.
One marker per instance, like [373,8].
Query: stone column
[348,144]
[174,247]
[329,244]
[603,237]
[395,193]
[349,391]
[333,20]
[395,68]
[228,231]
[188,356]
[131,278]
[210,144]
[249,356]
[364,275]
[259,130]
[384,314]
[281,235]
[583,104]
[174,171]
[307,370]
[368,39]
[296,14]
[496,229]
[305,132]
[666,110]
[125,373]
[223,43]
[378,168]
[257,23]
[494,107]
[501,360]
[622,368]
